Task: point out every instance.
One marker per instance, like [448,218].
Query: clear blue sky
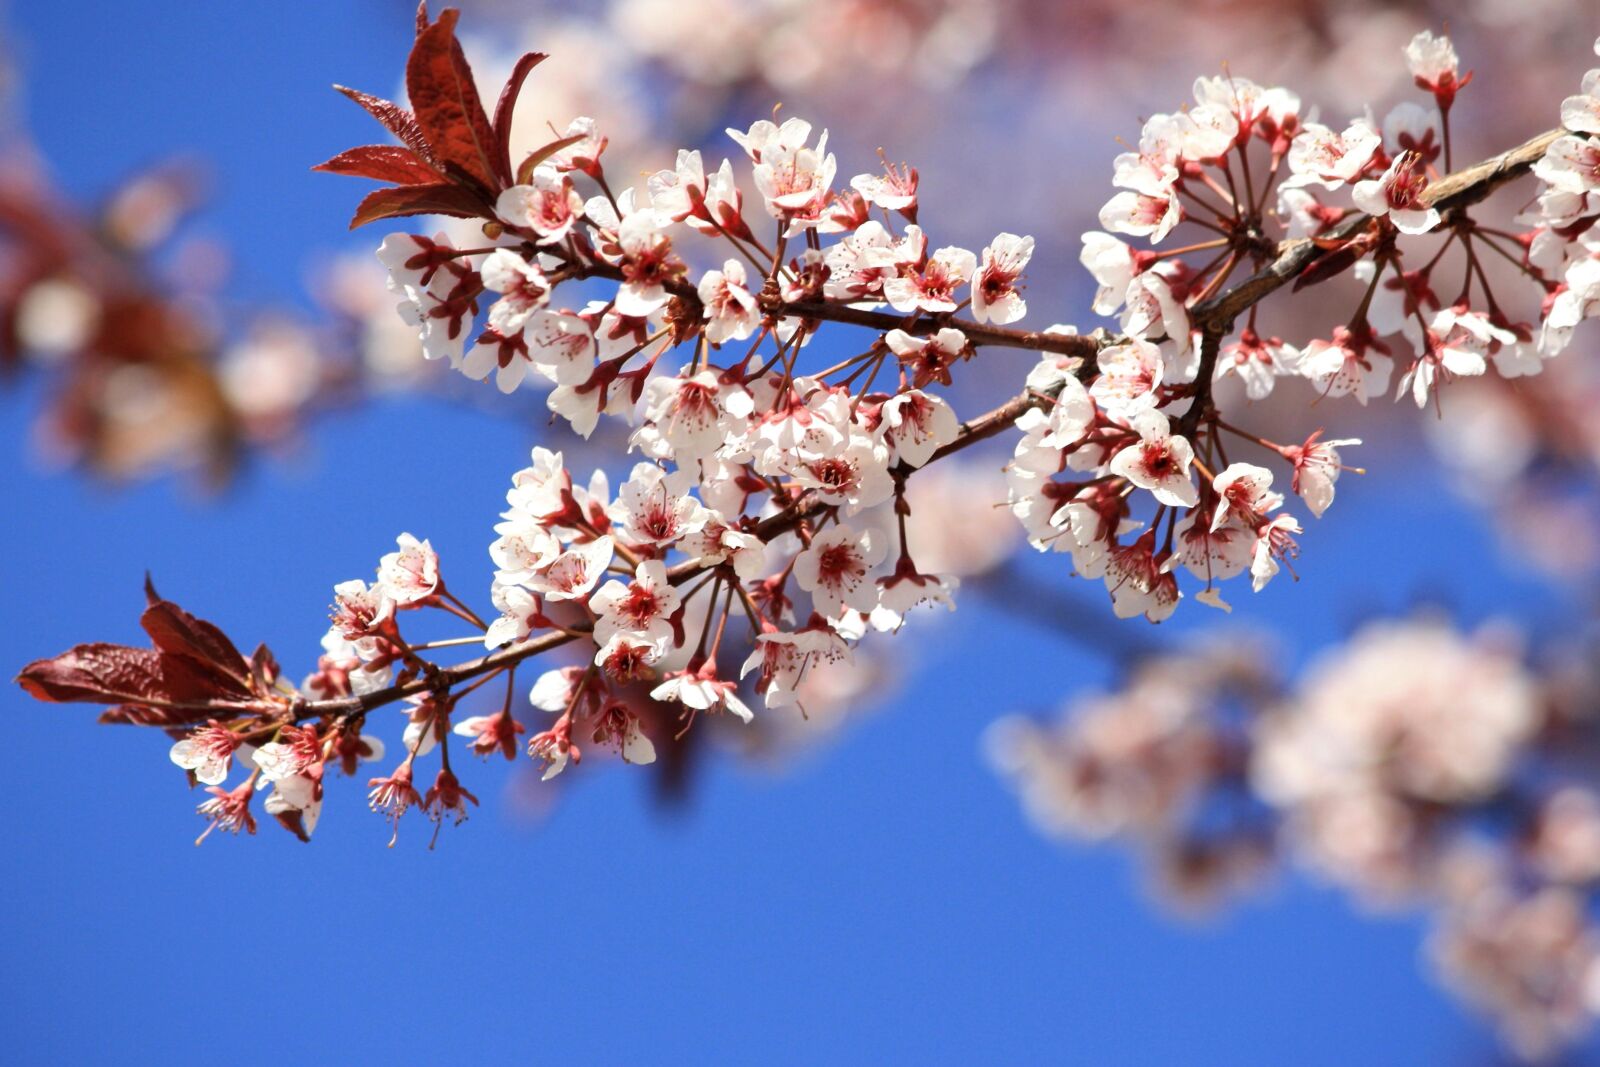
[881,901]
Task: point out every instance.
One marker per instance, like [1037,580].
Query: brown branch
[1461,189]
[1214,318]
[978,333]
[831,311]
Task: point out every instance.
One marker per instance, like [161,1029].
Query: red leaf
[538,156]
[439,199]
[103,673]
[396,119]
[93,673]
[445,102]
[381,162]
[506,106]
[264,669]
[192,667]
[172,629]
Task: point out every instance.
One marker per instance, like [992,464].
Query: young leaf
[101,673]
[174,630]
[396,119]
[384,163]
[538,156]
[506,107]
[439,199]
[192,666]
[445,101]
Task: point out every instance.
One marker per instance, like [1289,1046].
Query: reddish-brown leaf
[105,673]
[538,156]
[192,667]
[173,629]
[445,101]
[264,669]
[505,108]
[102,673]
[396,119]
[382,162]
[438,199]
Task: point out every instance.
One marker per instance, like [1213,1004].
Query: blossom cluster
[1358,200]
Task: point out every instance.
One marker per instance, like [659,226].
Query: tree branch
[1213,317]
[1461,189]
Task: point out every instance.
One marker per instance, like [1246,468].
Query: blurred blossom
[1528,958]
[1414,765]
[954,524]
[1159,761]
[55,318]
[271,374]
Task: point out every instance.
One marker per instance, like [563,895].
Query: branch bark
[1461,189]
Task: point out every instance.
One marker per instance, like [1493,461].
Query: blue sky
[879,900]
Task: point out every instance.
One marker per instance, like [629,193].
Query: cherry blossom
[411,573]
[834,569]
[995,296]
[701,690]
[572,574]
[893,190]
[439,295]
[1351,364]
[1581,113]
[1158,461]
[639,609]
[1458,342]
[916,425]
[931,285]
[548,206]
[1244,491]
[1321,157]
[794,181]
[655,508]
[491,733]
[931,357]
[783,660]
[1139,214]
[207,753]
[1138,582]
[228,809]
[1316,469]
[1113,262]
[523,287]
[907,588]
[1398,194]
[1258,362]
[731,312]
[1129,376]
[1435,67]
[619,727]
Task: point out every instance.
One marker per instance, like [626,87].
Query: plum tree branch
[1458,190]
[1214,317]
